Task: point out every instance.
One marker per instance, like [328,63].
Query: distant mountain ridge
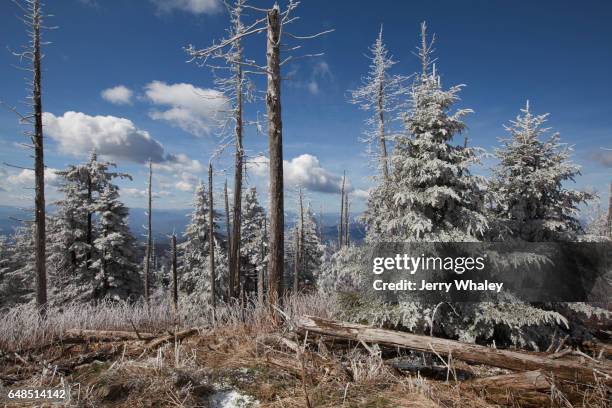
[175,220]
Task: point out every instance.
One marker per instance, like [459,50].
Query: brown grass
[225,355]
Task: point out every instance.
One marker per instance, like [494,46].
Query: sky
[117,78]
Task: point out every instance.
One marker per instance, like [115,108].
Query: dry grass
[21,327]
[224,356]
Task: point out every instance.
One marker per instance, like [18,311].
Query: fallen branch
[473,353]
[77,335]
[170,338]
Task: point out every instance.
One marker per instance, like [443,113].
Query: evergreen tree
[431,195]
[17,282]
[529,199]
[116,275]
[254,242]
[194,269]
[310,248]
[70,280]
[73,230]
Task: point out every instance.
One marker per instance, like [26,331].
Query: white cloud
[119,95]
[313,87]
[26,177]
[191,6]
[195,110]
[78,133]
[134,192]
[602,156]
[184,186]
[176,163]
[320,74]
[360,194]
[305,171]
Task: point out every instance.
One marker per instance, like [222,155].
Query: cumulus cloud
[360,194]
[119,95]
[26,177]
[78,133]
[191,6]
[184,186]
[134,192]
[304,170]
[195,110]
[602,156]
[177,163]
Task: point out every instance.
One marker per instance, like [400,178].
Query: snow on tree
[17,282]
[431,194]
[530,201]
[116,271]
[68,248]
[254,242]
[305,251]
[380,94]
[194,268]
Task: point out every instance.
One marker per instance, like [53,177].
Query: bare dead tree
[296,260]
[227,213]
[273,23]
[347,234]
[299,255]
[261,272]
[380,93]
[341,223]
[33,19]
[211,238]
[174,275]
[609,221]
[147,269]
[302,235]
[236,88]
[321,224]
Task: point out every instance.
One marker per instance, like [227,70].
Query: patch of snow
[232,399]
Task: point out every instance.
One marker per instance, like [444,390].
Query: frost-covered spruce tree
[116,271]
[312,249]
[70,280]
[379,94]
[194,268]
[530,200]
[431,194]
[17,282]
[254,242]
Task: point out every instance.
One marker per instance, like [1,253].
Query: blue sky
[557,54]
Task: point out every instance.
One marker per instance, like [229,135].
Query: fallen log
[513,360]
[528,388]
[78,335]
[171,337]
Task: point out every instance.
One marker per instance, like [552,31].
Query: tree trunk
[236,220]
[609,223]
[512,360]
[39,165]
[296,262]
[341,224]
[174,276]
[528,388]
[89,222]
[275,142]
[384,161]
[260,272]
[147,271]
[347,234]
[211,238]
[321,224]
